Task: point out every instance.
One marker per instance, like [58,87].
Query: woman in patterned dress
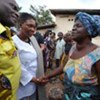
[82,71]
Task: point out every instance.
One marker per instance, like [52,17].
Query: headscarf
[90,22]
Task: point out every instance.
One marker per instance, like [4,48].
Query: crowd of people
[25,56]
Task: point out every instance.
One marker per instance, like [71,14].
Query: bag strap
[40,69]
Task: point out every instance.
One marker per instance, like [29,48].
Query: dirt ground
[54,88]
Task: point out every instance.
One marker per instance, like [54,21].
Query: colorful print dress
[9,67]
[80,81]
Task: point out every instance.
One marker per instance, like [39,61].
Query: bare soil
[54,87]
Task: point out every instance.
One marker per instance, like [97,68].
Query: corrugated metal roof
[74,11]
[46,26]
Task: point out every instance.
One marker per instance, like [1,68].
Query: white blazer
[28,58]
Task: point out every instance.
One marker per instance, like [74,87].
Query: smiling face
[28,28]
[79,33]
[8,12]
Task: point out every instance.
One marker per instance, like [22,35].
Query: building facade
[64,20]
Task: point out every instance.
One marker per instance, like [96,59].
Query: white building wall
[64,23]
[96,40]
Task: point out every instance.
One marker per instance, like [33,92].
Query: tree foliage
[43,16]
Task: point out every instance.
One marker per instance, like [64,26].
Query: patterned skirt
[77,92]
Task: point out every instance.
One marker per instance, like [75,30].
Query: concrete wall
[96,40]
[64,23]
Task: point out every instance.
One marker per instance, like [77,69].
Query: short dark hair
[53,33]
[26,16]
[47,33]
[60,33]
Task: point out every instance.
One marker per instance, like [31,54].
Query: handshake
[40,81]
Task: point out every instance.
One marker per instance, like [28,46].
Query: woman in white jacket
[28,57]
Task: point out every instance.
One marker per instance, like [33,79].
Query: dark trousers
[57,62]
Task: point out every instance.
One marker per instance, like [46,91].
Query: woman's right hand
[39,81]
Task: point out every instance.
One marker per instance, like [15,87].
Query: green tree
[43,16]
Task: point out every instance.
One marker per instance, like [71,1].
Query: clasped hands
[40,81]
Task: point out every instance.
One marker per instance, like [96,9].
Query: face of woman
[79,33]
[28,28]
